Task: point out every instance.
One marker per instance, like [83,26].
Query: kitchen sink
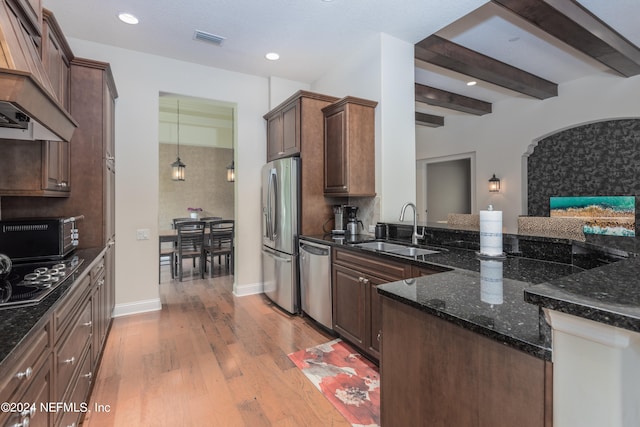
[380,246]
[411,251]
[395,249]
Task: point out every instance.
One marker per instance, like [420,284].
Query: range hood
[29,109]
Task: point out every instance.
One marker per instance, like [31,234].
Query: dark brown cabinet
[56,166]
[28,380]
[295,127]
[56,54]
[441,374]
[356,303]
[349,147]
[283,137]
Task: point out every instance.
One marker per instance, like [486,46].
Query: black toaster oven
[29,239]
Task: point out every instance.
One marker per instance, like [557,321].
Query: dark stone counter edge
[534,350]
[8,347]
[584,311]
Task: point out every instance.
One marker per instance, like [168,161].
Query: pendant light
[231,170]
[177,167]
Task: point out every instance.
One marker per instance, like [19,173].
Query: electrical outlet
[372,228]
[142,234]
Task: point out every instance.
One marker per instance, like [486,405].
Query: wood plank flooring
[208,358]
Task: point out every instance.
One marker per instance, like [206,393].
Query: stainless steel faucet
[415,236]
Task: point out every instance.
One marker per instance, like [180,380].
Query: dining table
[171,236]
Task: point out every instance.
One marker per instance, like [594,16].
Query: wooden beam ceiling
[453,101]
[574,25]
[452,56]
[429,120]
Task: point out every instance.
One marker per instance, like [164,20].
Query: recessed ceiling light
[272,56]
[128,18]
[472,83]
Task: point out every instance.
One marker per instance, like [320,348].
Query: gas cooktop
[29,283]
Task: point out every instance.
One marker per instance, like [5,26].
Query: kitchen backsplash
[597,159]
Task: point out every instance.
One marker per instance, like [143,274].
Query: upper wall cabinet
[56,55]
[349,147]
[283,131]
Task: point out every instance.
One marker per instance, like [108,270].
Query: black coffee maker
[352,219]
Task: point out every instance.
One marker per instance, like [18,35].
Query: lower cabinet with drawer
[356,304]
[26,384]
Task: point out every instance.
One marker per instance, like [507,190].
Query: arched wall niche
[596,159]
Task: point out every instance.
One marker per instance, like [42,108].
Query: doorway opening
[445,185]
[199,133]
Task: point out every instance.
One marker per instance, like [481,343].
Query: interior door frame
[421,178]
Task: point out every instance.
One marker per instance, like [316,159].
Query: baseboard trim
[137,307]
[244,290]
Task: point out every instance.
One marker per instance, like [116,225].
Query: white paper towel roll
[491,282]
[491,233]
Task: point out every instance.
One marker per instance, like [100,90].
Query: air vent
[208,37]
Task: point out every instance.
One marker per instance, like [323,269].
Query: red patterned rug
[348,380]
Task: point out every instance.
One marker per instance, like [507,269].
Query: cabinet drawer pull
[29,413]
[73,424]
[89,375]
[24,423]
[26,374]
[70,361]
[101,282]
[88,324]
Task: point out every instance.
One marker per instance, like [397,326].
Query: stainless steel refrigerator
[280,222]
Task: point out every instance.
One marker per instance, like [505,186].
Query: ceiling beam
[574,25]
[453,101]
[429,120]
[452,56]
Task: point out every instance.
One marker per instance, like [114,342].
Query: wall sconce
[494,184]
[177,167]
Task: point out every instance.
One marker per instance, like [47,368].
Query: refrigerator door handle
[269,211]
[274,255]
[274,209]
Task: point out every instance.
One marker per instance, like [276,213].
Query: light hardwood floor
[208,358]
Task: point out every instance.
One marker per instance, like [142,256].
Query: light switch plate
[142,234]
[372,228]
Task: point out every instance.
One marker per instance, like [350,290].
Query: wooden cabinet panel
[349,300]
[283,131]
[57,164]
[441,375]
[56,55]
[349,145]
[356,303]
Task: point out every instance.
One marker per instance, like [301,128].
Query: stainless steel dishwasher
[315,282]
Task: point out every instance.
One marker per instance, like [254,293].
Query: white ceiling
[312,36]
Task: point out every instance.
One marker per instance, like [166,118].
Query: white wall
[139,79]
[383,70]
[501,138]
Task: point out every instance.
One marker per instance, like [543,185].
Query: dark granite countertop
[16,323]
[597,279]
[460,296]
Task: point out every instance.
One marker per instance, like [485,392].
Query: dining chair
[177,220]
[167,257]
[220,243]
[211,218]
[190,244]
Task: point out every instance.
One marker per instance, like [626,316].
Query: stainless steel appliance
[338,219]
[280,222]
[315,282]
[29,283]
[352,219]
[38,238]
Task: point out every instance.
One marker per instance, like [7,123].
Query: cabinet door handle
[26,374]
[88,375]
[70,361]
[379,337]
[88,324]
